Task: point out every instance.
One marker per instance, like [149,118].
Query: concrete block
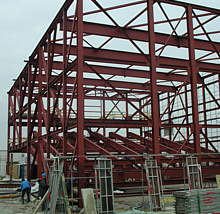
[218,180]
[88,201]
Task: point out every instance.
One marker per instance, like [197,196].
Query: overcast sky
[22,24]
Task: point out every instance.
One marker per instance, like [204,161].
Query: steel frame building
[121,78]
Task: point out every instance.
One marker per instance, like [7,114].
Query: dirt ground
[139,204]
[122,205]
[14,205]
[130,205]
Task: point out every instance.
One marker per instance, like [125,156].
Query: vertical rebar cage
[106,186]
[154,182]
[194,173]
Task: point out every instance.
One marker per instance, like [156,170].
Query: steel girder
[137,73]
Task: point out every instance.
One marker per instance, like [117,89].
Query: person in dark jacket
[68,185]
[43,187]
[25,188]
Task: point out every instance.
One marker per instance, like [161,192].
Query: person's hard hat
[44,174]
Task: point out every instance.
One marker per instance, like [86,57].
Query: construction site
[122,98]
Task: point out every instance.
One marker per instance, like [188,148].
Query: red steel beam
[125,72]
[133,145]
[117,147]
[186,5]
[128,58]
[116,84]
[140,35]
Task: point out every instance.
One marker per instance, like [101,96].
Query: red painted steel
[153,79]
[121,80]
[193,76]
[80,93]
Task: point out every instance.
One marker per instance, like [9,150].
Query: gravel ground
[14,205]
[122,205]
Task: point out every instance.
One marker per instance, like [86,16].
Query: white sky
[22,24]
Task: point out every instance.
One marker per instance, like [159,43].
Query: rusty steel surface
[111,78]
[10,186]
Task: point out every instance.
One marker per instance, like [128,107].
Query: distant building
[18,158]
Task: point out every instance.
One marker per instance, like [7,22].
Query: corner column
[29,124]
[80,98]
[153,79]
[193,76]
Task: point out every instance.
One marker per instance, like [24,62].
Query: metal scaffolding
[111,78]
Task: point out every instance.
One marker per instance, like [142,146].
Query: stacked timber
[197,201]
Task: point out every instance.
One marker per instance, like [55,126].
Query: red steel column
[80,97]
[64,88]
[169,114]
[29,123]
[187,111]
[8,153]
[14,120]
[49,67]
[193,76]
[39,109]
[219,84]
[204,113]
[153,77]
[141,128]
[127,115]
[103,111]
[20,114]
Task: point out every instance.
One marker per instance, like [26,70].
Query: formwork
[124,78]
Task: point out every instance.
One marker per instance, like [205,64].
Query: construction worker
[25,188]
[43,187]
[68,185]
